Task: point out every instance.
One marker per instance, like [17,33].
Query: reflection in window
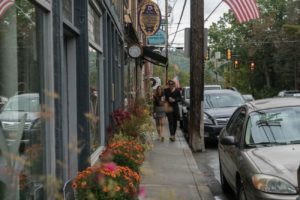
[94,24]
[68,10]
[94,98]
[20,122]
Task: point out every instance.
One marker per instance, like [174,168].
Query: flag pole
[213,11]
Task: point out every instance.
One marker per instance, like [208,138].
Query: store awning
[131,34]
[150,55]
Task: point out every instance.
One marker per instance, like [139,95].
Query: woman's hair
[158,91]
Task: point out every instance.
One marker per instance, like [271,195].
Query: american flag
[4,5]
[244,10]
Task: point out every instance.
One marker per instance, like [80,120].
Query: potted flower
[107,181]
[124,152]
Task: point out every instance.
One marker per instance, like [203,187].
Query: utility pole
[196,126]
[167,38]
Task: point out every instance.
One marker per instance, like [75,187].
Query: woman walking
[172,96]
[159,112]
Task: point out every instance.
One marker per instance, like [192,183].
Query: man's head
[171,84]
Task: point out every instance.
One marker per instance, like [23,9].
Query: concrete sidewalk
[170,172]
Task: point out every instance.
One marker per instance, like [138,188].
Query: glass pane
[94,98]
[275,126]
[94,26]
[22,155]
[68,10]
[222,100]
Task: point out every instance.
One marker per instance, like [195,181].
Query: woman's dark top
[157,100]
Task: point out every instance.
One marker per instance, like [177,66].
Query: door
[229,153]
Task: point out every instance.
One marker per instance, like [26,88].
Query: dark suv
[183,106]
[218,108]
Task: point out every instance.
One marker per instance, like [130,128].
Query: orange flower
[105,189]
[117,188]
[83,184]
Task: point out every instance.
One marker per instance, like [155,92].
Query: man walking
[172,97]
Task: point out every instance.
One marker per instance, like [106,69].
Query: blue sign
[157,39]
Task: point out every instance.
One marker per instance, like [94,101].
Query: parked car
[298,175]
[248,97]
[3,101]
[183,106]
[21,106]
[289,93]
[212,87]
[218,108]
[259,150]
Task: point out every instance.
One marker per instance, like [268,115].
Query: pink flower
[142,192]
[110,166]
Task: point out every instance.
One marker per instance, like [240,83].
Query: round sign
[149,18]
[135,51]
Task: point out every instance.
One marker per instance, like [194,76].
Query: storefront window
[94,98]
[94,25]
[22,157]
[68,10]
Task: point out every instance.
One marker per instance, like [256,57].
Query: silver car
[259,150]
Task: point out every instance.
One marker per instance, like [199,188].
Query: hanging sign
[159,39]
[149,18]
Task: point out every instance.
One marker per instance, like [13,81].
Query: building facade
[62,66]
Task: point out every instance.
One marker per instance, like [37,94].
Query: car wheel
[224,183]
[241,192]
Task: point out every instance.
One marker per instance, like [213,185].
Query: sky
[209,6]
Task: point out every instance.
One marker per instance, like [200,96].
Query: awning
[150,55]
[131,34]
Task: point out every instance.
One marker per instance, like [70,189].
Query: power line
[177,31]
[179,21]
[213,11]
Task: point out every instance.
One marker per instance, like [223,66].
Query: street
[208,164]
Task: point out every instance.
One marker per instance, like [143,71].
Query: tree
[269,41]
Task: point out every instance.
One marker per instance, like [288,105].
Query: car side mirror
[228,140]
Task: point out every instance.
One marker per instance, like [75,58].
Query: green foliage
[268,41]
[178,65]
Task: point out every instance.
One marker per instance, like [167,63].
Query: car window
[222,100]
[187,93]
[236,124]
[275,126]
[23,104]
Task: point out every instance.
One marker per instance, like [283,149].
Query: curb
[203,189]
